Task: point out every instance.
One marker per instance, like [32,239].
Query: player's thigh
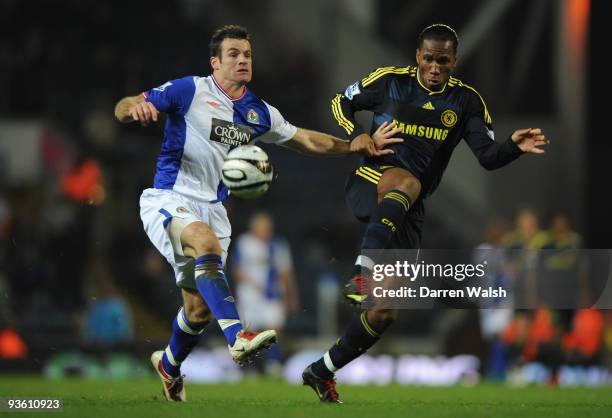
[196,238]
[399,179]
[360,196]
[195,307]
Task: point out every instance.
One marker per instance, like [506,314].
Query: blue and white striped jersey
[203,123]
[264,262]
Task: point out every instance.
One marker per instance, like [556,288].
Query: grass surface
[142,398]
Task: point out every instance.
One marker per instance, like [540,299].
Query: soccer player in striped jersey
[182,213]
[424,112]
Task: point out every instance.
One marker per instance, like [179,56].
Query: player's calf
[381,319]
[359,336]
[185,336]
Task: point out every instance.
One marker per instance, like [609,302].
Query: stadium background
[70,175]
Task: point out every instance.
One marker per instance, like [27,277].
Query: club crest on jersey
[253,117]
[449,118]
[230,133]
[181,209]
[352,90]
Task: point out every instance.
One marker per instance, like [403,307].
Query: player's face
[235,64]
[262,227]
[436,60]
[527,222]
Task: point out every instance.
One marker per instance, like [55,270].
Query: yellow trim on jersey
[431,92]
[367,327]
[487,115]
[382,71]
[369,177]
[340,118]
[372,172]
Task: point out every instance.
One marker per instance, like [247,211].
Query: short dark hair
[439,32]
[225,32]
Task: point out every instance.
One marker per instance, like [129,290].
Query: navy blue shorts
[361,198]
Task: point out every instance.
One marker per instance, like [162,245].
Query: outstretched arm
[136,109]
[317,143]
[493,155]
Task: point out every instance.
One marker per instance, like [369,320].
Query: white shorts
[159,207]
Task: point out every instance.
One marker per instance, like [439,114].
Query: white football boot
[249,344]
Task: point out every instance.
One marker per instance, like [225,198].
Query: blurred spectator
[12,346]
[583,344]
[562,270]
[556,276]
[108,319]
[495,317]
[84,183]
[526,233]
[520,242]
[265,289]
[529,328]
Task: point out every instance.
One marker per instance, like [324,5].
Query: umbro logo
[229,299]
[214,104]
[428,106]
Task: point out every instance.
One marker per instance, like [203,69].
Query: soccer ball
[247,171]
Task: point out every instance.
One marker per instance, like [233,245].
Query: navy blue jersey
[432,123]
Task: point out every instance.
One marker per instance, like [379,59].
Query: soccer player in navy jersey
[428,112]
[182,213]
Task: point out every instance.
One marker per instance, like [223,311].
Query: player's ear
[215,63]
[418,51]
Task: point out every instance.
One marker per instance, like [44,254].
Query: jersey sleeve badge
[352,90]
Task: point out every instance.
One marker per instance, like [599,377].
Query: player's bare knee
[198,240]
[207,246]
[411,186]
[399,179]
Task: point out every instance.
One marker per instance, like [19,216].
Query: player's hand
[144,113]
[365,145]
[385,135]
[530,140]
[369,146]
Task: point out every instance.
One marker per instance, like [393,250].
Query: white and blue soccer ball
[247,171]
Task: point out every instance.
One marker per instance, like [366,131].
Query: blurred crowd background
[77,273]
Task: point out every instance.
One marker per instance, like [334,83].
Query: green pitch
[253,399]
